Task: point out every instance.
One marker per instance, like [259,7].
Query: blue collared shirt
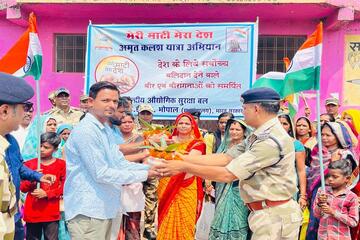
[96,171]
[17,169]
[117,135]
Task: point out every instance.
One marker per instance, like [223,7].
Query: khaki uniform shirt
[72,117]
[261,175]
[7,196]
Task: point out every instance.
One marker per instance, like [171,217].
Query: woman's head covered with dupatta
[195,132]
[224,146]
[48,124]
[341,134]
[353,116]
[344,143]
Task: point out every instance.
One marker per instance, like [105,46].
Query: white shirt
[20,135]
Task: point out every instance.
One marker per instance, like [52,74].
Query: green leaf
[172,147]
[146,124]
[157,146]
[145,147]
[163,143]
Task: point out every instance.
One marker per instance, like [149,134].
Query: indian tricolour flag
[25,57]
[304,70]
[274,80]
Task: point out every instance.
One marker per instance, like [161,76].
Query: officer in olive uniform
[63,112]
[13,94]
[265,166]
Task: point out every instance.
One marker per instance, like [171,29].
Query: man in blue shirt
[20,172]
[96,169]
[14,94]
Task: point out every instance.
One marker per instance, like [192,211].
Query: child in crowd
[338,207]
[41,212]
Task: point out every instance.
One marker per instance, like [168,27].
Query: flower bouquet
[152,131]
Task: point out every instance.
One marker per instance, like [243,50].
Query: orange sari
[180,199]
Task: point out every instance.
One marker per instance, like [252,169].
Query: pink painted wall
[333,50]
[332,71]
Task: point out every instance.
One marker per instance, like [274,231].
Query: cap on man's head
[194,112]
[84,97]
[51,95]
[332,100]
[145,107]
[61,90]
[14,89]
[262,94]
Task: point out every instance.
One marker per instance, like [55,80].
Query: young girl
[338,207]
[41,212]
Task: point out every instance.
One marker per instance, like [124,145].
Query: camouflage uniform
[151,203]
[72,117]
[267,172]
[7,196]
[150,191]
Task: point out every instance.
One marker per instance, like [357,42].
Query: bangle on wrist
[303,196]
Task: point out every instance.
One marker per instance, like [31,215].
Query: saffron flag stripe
[25,57]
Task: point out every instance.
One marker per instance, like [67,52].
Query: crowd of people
[96,176]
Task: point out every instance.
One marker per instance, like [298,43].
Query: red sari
[180,198]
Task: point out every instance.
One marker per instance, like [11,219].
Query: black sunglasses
[28,106]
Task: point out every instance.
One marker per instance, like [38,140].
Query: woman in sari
[352,116]
[300,156]
[181,196]
[299,159]
[305,133]
[336,143]
[48,124]
[230,219]
[63,131]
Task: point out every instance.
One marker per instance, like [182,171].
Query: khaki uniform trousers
[276,223]
[86,228]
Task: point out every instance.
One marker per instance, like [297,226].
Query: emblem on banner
[120,70]
[237,39]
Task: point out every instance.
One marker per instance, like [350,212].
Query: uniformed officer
[265,167]
[63,112]
[84,103]
[13,95]
[145,112]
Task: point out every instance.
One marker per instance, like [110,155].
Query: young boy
[338,208]
[41,212]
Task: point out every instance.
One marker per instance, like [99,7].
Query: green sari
[231,214]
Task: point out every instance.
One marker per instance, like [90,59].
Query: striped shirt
[346,215]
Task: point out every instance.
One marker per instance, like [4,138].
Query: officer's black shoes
[149,235]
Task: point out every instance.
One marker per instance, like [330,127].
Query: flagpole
[319,124]
[38,127]
[319,140]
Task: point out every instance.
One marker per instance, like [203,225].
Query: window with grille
[272,50]
[70,53]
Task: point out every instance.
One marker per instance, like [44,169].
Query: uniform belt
[259,205]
